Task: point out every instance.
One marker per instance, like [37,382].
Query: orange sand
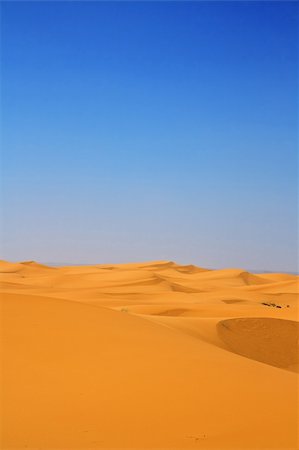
[153,355]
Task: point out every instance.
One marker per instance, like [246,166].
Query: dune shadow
[268,340]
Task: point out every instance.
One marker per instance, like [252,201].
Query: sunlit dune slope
[148,355]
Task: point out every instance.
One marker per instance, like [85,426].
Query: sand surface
[148,356]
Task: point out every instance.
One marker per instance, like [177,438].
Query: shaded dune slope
[271,341]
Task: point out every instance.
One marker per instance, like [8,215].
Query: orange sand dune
[148,356]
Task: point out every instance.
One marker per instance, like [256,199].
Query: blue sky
[150,130]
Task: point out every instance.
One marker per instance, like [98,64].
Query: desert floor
[153,355]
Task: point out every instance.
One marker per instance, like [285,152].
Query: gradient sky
[150,130]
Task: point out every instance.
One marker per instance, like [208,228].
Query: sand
[148,356]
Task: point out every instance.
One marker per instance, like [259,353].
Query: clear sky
[150,130]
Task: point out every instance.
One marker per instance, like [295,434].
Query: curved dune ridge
[271,341]
[148,355]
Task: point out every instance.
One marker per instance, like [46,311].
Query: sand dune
[263,339]
[148,355]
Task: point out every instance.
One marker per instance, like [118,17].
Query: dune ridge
[148,355]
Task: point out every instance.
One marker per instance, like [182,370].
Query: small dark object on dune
[273,305]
